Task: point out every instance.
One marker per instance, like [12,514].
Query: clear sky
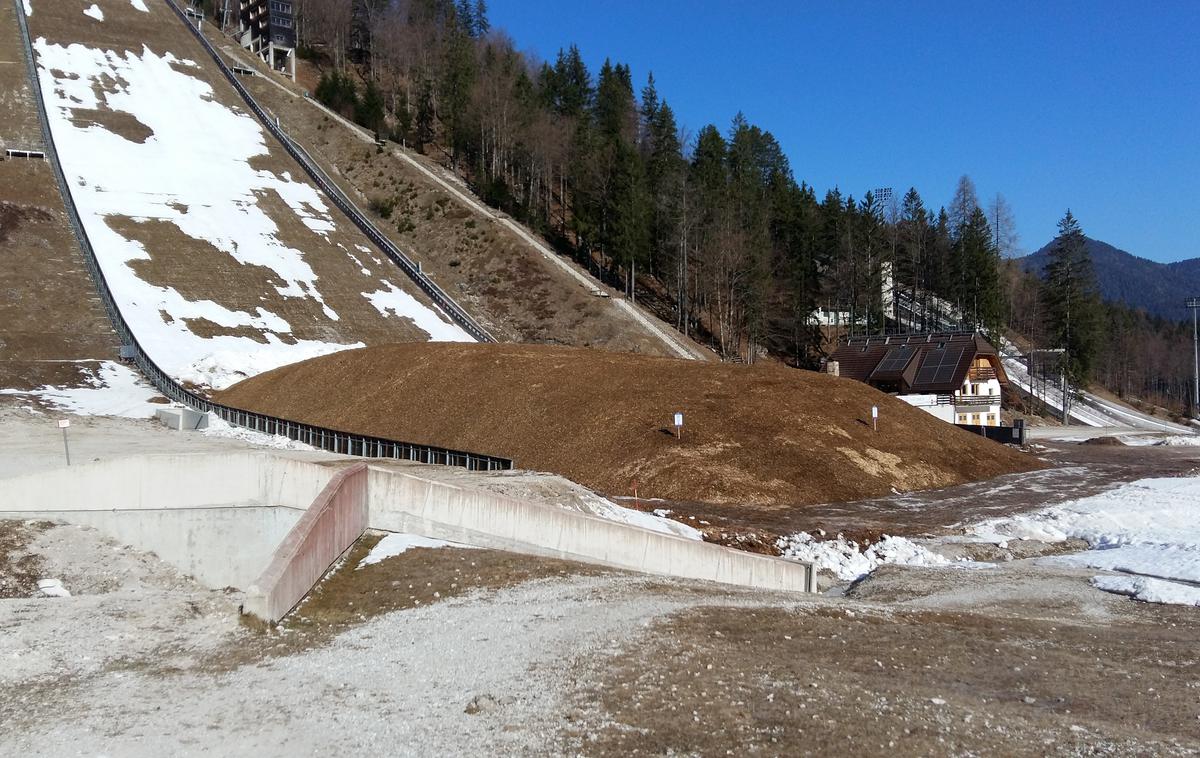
[1089,105]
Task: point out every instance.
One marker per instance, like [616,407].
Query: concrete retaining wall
[407,503]
[327,529]
[220,547]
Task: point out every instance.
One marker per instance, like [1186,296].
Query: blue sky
[1093,106]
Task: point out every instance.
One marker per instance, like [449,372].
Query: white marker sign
[64,424]
[678,419]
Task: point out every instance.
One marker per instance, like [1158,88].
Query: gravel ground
[133,664]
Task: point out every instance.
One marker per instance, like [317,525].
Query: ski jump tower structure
[267,28]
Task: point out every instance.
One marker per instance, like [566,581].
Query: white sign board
[874,411]
[678,419]
[64,424]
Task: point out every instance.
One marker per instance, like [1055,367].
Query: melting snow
[112,389]
[139,5]
[95,12]
[52,588]
[218,427]
[1149,528]
[28,8]
[395,544]
[607,509]
[846,560]
[394,301]
[193,172]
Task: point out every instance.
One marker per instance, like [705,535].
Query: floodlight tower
[1193,303]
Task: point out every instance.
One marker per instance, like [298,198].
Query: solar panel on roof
[950,359]
[895,360]
[939,365]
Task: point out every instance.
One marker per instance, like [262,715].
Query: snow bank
[1149,590]
[1150,528]
[847,560]
[95,12]
[1175,440]
[110,389]
[395,544]
[218,427]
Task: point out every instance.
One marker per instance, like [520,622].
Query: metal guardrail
[333,440]
[330,188]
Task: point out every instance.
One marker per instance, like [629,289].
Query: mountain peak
[1158,288]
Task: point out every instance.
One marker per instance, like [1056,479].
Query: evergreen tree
[482,25]
[369,110]
[1071,298]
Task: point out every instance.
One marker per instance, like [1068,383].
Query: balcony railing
[968,400]
[981,374]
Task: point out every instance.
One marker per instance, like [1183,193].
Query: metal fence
[320,437]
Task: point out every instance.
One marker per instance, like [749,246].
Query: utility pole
[1193,303]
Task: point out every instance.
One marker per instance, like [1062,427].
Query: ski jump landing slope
[224,260]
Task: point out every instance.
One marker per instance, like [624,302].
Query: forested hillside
[712,229]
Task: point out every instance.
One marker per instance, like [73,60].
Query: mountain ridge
[1158,288]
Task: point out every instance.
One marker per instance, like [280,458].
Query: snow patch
[223,368]
[95,12]
[218,427]
[52,588]
[393,301]
[846,560]
[139,5]
[28,8]
[607,509]
[396,544]
[1149,528]
[1149,590]
[110,389]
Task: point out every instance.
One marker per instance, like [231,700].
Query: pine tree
[1072,301]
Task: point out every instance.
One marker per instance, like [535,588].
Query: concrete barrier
[181,419]
[219,547]
[407,503]
[224,517]
[327,529]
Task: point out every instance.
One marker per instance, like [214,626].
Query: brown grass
[752,434]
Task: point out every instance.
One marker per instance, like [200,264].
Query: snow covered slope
[224,260]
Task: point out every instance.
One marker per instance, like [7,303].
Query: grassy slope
[761,435]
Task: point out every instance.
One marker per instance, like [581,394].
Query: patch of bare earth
[19,568]
[867,679]
[350,595]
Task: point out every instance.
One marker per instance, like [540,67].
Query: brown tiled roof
[938,364]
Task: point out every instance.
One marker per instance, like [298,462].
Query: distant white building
[955,376]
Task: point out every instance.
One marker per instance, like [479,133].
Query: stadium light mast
[1194,303]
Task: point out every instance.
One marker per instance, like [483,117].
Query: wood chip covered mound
[756,435]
